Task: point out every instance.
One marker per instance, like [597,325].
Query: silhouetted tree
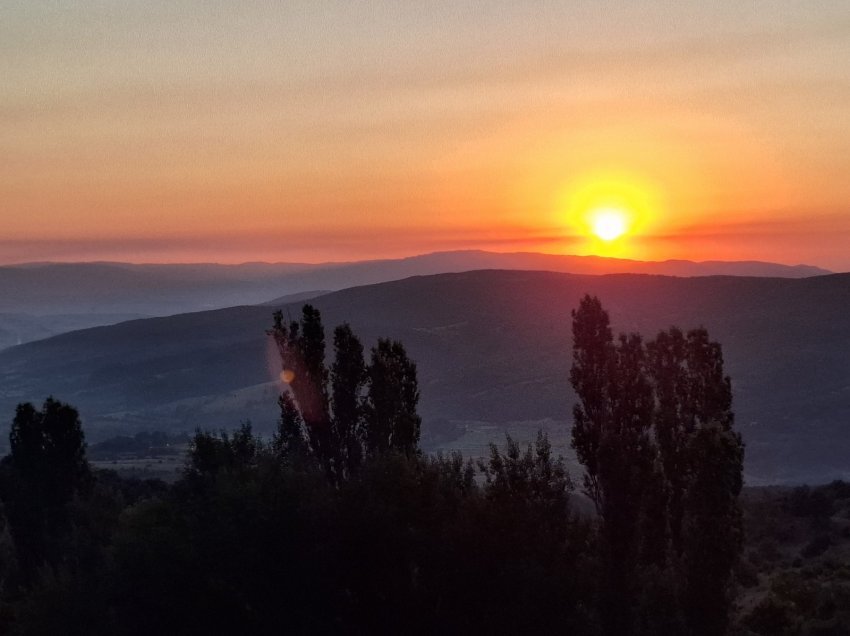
[702,460]
[289,440]
[672,422]
[611,436]
[391,420]
[348,377]
[712,532]
[351,411]
[302,350]
[532,554]
[653,428]
[48,450]
[45,470]
[590,376]
[7,560]
[212,454]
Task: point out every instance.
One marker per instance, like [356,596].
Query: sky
[315,130]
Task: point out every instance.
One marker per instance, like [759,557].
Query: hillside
[493,349]
[39,300]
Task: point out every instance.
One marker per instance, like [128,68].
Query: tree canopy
[340,524]
[353,410]
[663,465]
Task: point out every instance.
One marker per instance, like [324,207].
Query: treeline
[795,572]
[140,445]
[339,524]
[253,541]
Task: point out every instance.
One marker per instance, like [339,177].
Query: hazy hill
[493,348]
[56,297]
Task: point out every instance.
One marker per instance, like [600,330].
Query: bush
[771,617]
[813,504]
[746,574]
[816,546]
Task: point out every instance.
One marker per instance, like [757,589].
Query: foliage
[653,429]
[215,454]
[41,477]
[390,418]
[771,617]
[340,415]
[338,524]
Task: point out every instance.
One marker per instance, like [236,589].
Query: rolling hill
[38,300]
[493,349]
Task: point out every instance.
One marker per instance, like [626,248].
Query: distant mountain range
[493,349]
[38,300]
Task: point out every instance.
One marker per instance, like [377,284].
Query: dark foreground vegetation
[339,524]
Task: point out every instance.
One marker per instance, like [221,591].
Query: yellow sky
[334,131]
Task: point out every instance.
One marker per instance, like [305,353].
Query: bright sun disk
[609,224]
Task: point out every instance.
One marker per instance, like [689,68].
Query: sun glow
[609,223]
[613,211]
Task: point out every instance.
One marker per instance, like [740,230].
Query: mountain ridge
[47,293]
[811,269]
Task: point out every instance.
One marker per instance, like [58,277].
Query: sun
[607,207]
[609,223]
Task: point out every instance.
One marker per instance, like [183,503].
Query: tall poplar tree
[342,414]
[348,378]
[45,471]
[653,429]
[611,438]
[302,351]
[702,458]
[393,395]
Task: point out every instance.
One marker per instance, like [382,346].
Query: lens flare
[287,376]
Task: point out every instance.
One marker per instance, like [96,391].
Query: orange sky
[190,131]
